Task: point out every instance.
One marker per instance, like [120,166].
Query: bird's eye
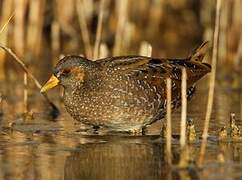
[65,72]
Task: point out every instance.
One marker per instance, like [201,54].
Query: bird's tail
[199,53]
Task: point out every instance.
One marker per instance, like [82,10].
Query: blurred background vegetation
[41,31]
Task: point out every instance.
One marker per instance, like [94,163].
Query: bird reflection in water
[120,158]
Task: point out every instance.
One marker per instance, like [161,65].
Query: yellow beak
[52,82]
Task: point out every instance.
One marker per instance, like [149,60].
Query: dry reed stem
[1,104]
[84,28]
[34,26]
[122,16]
[6,16]
[145,49]
[40,26]
[3,40]
[25,93]
[99,30]
[55,37]
[238,55]
[168,119]
[4,21]
[211,84]
[19,23]
[238,65]
[31,76]
[128,36]
[223,32]
[183,108]
[155,15]
[19,27]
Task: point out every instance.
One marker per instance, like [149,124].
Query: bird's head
[70,72]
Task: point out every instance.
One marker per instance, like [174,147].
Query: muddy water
[44,149]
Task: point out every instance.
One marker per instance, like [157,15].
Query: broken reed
[168,120]
[183,108]
[211,83]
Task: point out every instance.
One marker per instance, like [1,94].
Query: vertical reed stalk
[34,26]
[99,30]
[237,65]
[122,16]
[155,16]
[19,26]
[183,108]
[42,6]
[212,83]
[20,7]
[55,38]
[1,105]
[168,119]
[25,93]
[238,55]
[128,36]
[84,28]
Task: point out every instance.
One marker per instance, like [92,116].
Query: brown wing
[160,68]
[156,69]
